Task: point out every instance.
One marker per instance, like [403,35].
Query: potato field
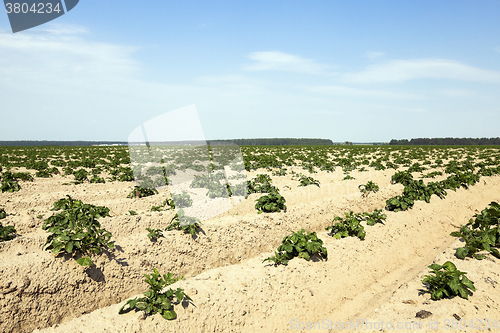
[272,239]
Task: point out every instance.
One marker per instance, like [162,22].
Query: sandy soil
[362,283]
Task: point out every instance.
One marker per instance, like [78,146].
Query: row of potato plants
[443,281]
[311,158]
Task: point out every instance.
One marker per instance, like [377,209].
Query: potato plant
[348,177]
[212,182]
[347,227]
[280,172]
[81,175]
[9,182]
[24,176]
[166,203]
[97,180]
[401,177]
[448,281]
[7,233]
[481,234]
[43,174]
[305,181]
[140,192]
[273,202]
[122,174]
[368,187]
[415,190]
[156,301]
[262,183]
[185,223]
[460,179]
[204,181]
[299,244]
[3,214]
[218,190]
[153,233]
[170,203]
[10,186]
[399,203]
[76,229]
[416,167]
[68,171]
[182,200]
[125,175]
[375,217]
[239,189]
[432,174]
[156,208]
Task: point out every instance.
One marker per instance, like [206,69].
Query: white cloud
[58,29]
[373,55]
[355,92]
[275,60]
[404,70]
[60,56]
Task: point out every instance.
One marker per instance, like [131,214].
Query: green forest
[447,141]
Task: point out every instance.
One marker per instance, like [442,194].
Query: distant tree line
[276,142]
[447,141]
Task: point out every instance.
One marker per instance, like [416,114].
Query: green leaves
[273,202]
[76,228]
[123,174]
[348,177]
[153,233]
[376,217]
[402,177]
[433,174]
[3,214]
[299,244]
[156,301]
[185,223]
[182,200]
[7,233]
[447,281]
[368,187]
[262,183]
[166,202]
[305,181]
[96,180]
[280,172]
[80,176]
[140,192]
[85,261]
[460,179]
[9,184]
[414,190]
[349,226]
[70,203]
[399,203]
[480,234]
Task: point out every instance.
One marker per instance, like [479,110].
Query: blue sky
[341,70]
